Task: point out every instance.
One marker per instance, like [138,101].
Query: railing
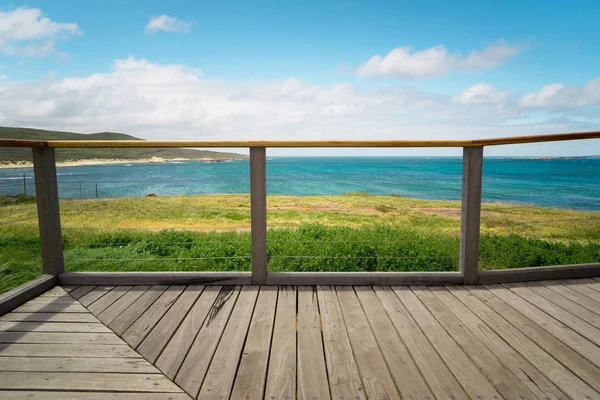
[46,189]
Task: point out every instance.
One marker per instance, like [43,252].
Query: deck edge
[27,291]
[539,273]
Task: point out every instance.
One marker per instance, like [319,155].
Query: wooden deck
[536,340]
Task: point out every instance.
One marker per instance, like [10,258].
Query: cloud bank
[175,101]
[405,62]
[26,32]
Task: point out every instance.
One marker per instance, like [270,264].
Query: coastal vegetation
[351,232]
[16,155]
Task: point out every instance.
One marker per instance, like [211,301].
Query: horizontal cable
[391,164]
[337,179]
[160,259]
[17,220]
[159,181]
[596,171]
[551,221]
[133,213]
[552,189]
[516,206]
[168,164]
[169,243]
[489,161]
[367,257]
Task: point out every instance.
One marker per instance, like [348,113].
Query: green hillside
[11,155]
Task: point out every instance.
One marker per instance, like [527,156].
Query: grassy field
[353,232]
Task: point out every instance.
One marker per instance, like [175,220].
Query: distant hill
[15,155]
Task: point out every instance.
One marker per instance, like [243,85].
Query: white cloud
[481,93]
[177,102]
[559,96]
[405,62]
[27,32]
[168,24]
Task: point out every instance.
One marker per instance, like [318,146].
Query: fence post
[258,214]
[470,213]
[46,191]
[24,186]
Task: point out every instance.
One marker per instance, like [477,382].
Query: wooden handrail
[296,143]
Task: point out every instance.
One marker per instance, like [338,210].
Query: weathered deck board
[312,377]
[193,370]
[281,377]
[174,353]
[404,371]
[377,381]
[470,377]
[441,381]
[144,324]
[252,371]
[344,378]
[524,340]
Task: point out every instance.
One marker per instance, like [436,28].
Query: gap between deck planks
[251,342]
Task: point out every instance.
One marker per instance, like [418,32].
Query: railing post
[258,211]
[46,191]
[470,213]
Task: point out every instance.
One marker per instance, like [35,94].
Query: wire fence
[409,233]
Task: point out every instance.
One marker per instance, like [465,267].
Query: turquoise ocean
[571,182]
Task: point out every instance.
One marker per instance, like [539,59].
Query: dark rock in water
[151,195]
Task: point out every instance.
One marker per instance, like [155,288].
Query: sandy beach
[98,161]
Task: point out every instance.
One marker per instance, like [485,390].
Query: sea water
[570,182]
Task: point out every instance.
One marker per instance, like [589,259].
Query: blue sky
[310,69]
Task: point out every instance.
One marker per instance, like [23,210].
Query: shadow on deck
[536,340]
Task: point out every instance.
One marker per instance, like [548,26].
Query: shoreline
[100,161]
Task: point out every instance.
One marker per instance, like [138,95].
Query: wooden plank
[144,324]
[344,379]
[312,374]
[581,367]
[66,299]
[122,322]
[87,381]
[472,167]
[441,381]
[69,289]
[67,350]
[258,214]
[66,395]
[55,291]
[539,385]
[582,286]
[493,368]
[155,278]
[12,326]
[94,295]
[46,194]
[470,377]
[377,380]
[574,295]
[31,307]
[281,377]
[60,337]
[252,370]
[120,305]
[173,355]
[49,317]
[108,299]
[156,341]
[81,291]
[565,303]
[404,371]
[364,278]
[59,364]
[194,367]
[219,379]
[559,330]
[488,277]
[30,290]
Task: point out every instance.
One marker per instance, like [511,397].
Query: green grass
[353,232]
